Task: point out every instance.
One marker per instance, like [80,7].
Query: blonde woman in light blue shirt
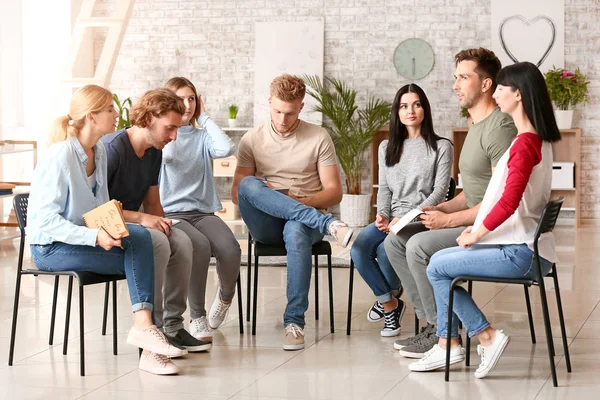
[71,181]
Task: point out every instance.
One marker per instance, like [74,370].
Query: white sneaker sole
[436,365]
[203,347]
[347,238]
[495,357]
[400,346]
[293,347]
[408,354]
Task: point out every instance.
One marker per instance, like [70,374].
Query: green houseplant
[233,111]
[122,108]
[351,128]
[566,89]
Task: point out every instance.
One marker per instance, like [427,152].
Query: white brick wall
[212,43]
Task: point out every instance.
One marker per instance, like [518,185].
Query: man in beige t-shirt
[286,173]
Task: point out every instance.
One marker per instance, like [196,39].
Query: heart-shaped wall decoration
[528,22]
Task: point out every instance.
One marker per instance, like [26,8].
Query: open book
[109,217]
[405,220]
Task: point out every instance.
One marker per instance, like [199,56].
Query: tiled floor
[333,366]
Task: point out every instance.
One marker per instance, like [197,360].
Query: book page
[405,220]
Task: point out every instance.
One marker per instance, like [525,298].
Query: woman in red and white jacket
[499,244]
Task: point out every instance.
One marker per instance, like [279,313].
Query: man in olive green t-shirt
[488,139]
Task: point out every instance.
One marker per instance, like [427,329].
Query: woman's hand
[202,109]
[105,241]
[468,238]
[382,223]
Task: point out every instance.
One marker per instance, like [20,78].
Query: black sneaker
[375,313]
[392,320]
[183,339]
[399,344]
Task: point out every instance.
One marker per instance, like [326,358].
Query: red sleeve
[525,153]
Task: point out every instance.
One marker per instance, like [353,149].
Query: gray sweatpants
[209,236]
[409,252]
[172,266]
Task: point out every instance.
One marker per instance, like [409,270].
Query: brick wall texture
[212,43]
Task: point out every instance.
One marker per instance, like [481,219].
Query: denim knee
[248,185]
[296,235]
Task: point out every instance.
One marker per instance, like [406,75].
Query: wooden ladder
[117,25]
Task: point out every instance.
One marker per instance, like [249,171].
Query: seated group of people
[287,176]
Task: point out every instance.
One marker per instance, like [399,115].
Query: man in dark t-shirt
[134,159]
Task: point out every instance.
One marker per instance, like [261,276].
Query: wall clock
[414,58]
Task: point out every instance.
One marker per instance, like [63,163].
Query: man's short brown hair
[488,65]
[288,88]
[155,103]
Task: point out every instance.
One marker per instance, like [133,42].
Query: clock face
[414,58]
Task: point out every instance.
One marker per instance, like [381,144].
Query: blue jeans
[276,219]
[135,261]
[373,265]
[498,261]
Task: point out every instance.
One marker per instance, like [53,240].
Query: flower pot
[232,122]
[564,118]
[355,209]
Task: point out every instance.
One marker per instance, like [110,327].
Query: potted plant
[566,89]
[123,110]
[233,111]
[351,130]
[464,113]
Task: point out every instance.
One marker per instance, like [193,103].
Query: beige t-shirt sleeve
[327,154]
[245,153]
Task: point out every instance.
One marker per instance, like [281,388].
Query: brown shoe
[294,338]
[341,232]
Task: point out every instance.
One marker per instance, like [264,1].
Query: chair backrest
[20,203]
[451,190]
[549,217]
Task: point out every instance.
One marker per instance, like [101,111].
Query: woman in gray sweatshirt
[187,191]
[414,172]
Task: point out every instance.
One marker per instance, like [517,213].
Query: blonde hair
[155,103]
[87,99]
[288,88]
[177,83]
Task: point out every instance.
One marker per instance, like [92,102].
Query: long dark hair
[398,131]
[526,77]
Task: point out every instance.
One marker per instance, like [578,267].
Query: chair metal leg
[561,318]
[416,324]
[114,301]
[330,278]
[68,315]
[53,315]
[316,287]
[529,315]
[13,330]
[105,316]
[240,306]
[254,303]
[449,332]
[350,290]
[249,280]
[548,328]
[467,338]
[81,332]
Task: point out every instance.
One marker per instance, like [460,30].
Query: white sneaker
[153,340]
[218,311]
[436,358]
[200,330]
[491,354]
[157,364]
[341,232]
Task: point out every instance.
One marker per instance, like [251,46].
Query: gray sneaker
[399,344]
[419,347]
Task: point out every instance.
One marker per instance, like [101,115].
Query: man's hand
[433,219]
[382,223]
[467,238]
[158,223]
[105,241]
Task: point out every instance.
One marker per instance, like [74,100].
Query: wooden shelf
[567,149]
[15,147]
